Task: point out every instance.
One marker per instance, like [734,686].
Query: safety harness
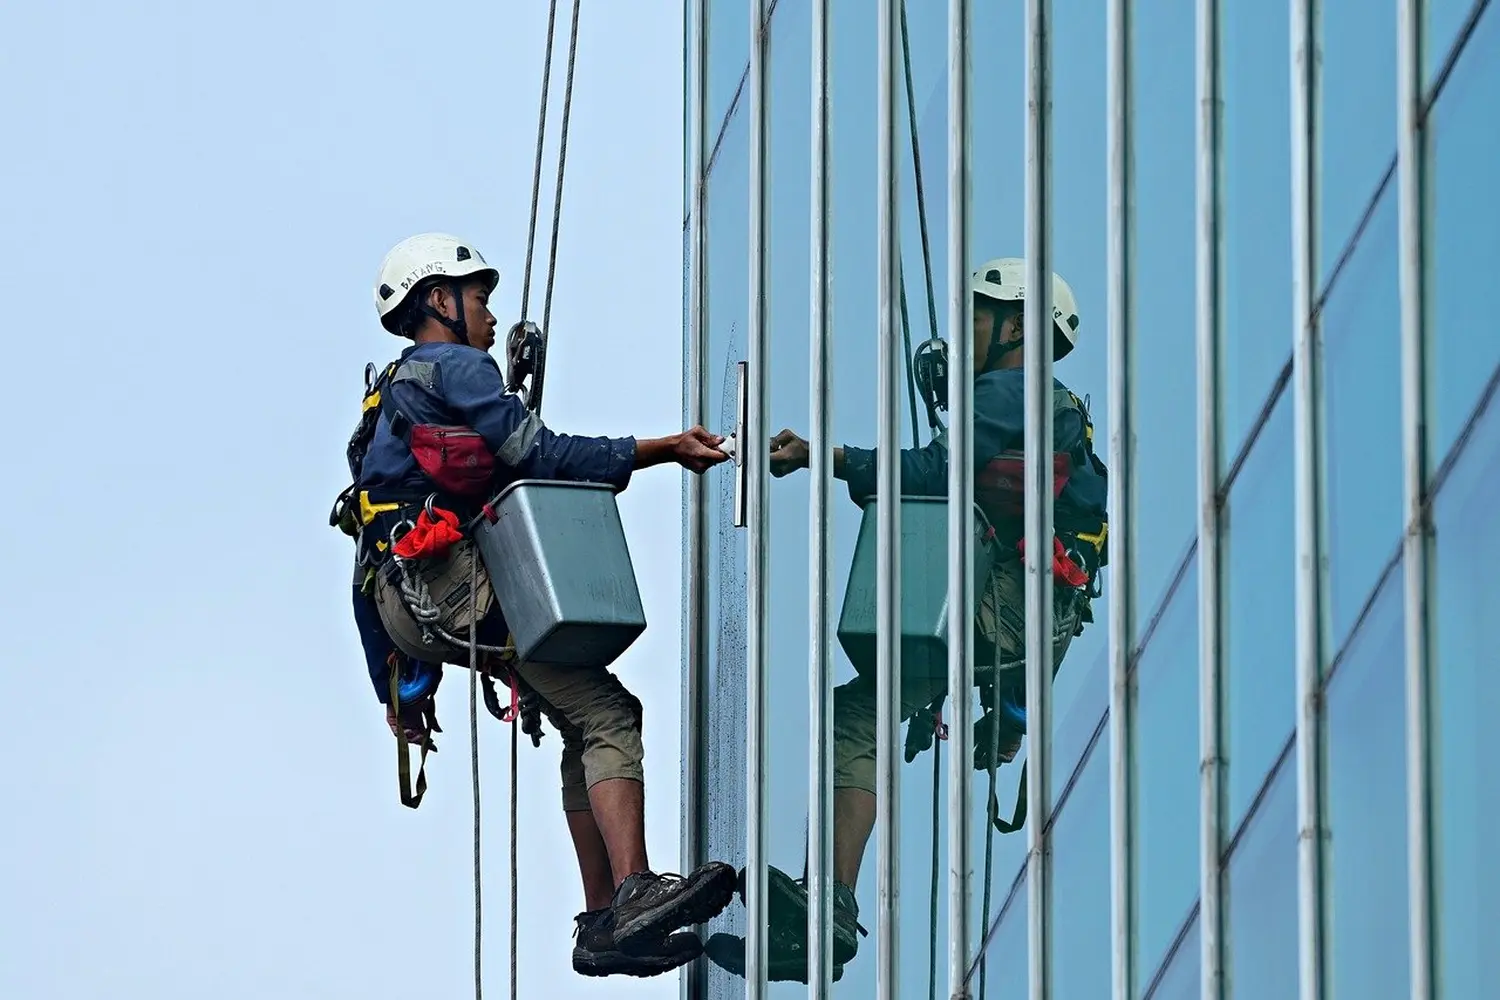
[396,534]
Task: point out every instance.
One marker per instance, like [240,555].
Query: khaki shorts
[1001,619]
[598,719]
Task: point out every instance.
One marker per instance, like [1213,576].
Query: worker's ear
[440,298]
[1015,325]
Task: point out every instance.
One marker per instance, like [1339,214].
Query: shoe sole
[598,965]
[788,906]
[727,951]
[697,905]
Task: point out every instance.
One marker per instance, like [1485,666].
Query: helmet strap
[459,326]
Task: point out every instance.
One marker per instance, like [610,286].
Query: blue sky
[205,801]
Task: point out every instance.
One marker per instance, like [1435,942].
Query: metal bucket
[557,557]
[924,587]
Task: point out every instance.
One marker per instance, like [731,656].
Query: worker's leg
[607,720]
[595,952]
[854,722]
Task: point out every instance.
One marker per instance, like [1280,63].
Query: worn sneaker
[787,914]
[787,957]
[647,906]
[596,954]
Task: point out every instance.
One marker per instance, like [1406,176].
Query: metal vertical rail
[820,659]
[1411,186]
[1037,347]
[1307,449]
[888,521]
[756,463]
[961,582]
[1210,576]
[1119,279]
[696,626]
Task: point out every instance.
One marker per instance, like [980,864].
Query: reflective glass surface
[1165,374]
[1260,622]
[1466,689]
[1257,209]
[1261,897]
[724,815]
[1166,761]
[1465,234]
[1365,857]
[1180,979]
[1081,886]
[1362,413]
[1358,122]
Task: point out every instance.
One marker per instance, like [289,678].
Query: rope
[536,187]
[515,727]
[932,903]
[474,768]
[916,159]
[562,161]
[536,172]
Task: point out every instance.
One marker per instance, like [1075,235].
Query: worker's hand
[696,450]
[788,454]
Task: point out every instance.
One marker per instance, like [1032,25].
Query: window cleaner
[441,436]
[998,287]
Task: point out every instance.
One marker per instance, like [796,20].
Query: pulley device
[930,371]
[526,359]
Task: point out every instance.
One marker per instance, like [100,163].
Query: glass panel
[1445,18]
[853,85]
[1260,595]
[1261,897]
[724,732]
[728,60]
[998,232]
[1362,385]
[1180,980]
[1081,886]
[1467,692]
[1257,210]
[1466,233]
[1166,762]
[1166,471]
[787,313]
[1366,859]
[1358,141]
[1005,961]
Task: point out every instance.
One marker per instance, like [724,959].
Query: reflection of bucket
[558,560]
[924,587]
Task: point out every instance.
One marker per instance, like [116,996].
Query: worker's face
[477,316]
[984,331]
[479,322]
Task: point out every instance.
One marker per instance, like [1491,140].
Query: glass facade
[1284,350]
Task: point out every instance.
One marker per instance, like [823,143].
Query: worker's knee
[602,727]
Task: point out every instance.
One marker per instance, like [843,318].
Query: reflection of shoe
[787,915]
[647,906]
[788,961]
[596,954]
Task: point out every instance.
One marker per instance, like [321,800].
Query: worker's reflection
[1080,521]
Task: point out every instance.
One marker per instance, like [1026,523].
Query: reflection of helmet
[1004,280]
[419,261]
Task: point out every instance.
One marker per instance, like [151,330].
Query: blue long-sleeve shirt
[447,383]
[999,426]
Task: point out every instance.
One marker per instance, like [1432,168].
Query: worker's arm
[999,425]
[473,388]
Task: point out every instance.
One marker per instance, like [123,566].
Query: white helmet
[418,257]
[1004,280]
